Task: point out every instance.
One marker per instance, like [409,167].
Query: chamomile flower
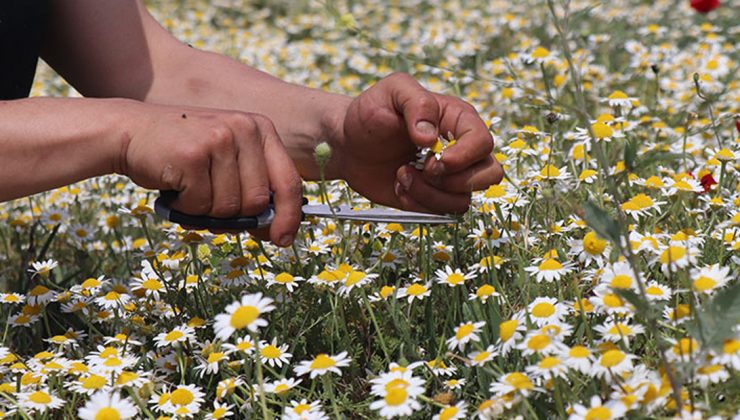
[43,268]
[108,405]
[675,257]
[612,362]
[729,354]
[598,410]
[282,386]
[209,364]
[484,292]
[176,336]
[510,332]
[40,295]
[220,411]
[398,392]
[286,280]
[415,290]
[549,270]
[516,382]
[303,410]
[546,310]
[243,345]
[619,99]
[183,400]
[355,278]
[274,354]
[40,400]
[591,248]
[323,364]
[619,331]
[655,291]
[452,412]
[710,278]
[711,374]
[465,333]
[537,342]
[578,358]
[640,205]
[451,277]
[244,313]
[548,367]
[683,350]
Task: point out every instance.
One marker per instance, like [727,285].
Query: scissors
[163,207]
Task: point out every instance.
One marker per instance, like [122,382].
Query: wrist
[332,132]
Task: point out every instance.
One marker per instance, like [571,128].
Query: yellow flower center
[455,279]
[480,357]
[93,382]
[685,346]
[618,94]
[550,264]
[621,281]
[612,358]
[707,370]
[602,130]
[593,244]
[151,284]
[416,289]
[613,301]
[301,408]
[543,310]
[507,329]
[485,291]
[110,296]
[538,342]
[464,331]
[579,352]
[731,346]
[549,362]
[550,171]
[704,283]
[386,291]
[38,290]
[174,335]
[672,254]
[396,396]
[448,412]
[654,291]
[244,316]
[620,329]
[540,52]
[599,413]
[322,361]
[107,413]
[270,352]
[519,381]
[182,396]
[354,277]
[40,397]
[90,283]
[215,357]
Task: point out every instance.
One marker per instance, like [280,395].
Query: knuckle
[256,199]
[399,76]
[226,206]
[220,136]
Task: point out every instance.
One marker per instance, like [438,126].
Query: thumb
[418,106]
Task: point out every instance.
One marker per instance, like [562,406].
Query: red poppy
[704,6]
[707,181]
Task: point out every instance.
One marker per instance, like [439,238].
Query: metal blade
[345,212]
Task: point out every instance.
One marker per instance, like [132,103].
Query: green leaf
[641,304]
[718,318]
[602,223]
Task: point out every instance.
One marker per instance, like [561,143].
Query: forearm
[48,143]
[302,116]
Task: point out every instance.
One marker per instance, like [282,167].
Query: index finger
[286,186]
[473,140]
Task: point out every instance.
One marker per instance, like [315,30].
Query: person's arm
[115,48]
[222,163]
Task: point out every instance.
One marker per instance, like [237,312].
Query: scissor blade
[375,215]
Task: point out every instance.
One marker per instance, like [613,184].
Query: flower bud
[322,153]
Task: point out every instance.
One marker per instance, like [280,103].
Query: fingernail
[286,240]
[399,189]
[405,179]
[438,168]
[426,128]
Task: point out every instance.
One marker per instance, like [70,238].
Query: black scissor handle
[163,208]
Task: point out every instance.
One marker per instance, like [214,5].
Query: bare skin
[225,142]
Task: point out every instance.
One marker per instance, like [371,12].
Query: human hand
[381,132]
[222,163]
